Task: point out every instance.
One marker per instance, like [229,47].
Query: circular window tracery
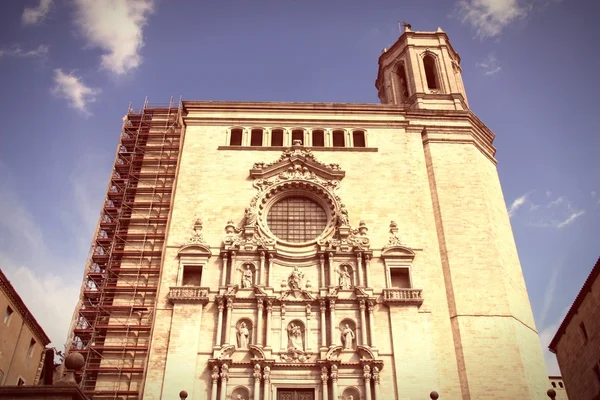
[297,219]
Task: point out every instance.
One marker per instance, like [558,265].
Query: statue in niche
[345,281]
[347,337]
[239,397]
[243,336]
[295,279]
[343,216]
[250,216]
[295,337]
[247,278]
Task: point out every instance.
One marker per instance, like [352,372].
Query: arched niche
[243,333]
[296,331]
[348,337]
[240,393]
[247,275]
[351,393]
[345,276]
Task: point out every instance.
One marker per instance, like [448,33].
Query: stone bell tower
[421,70]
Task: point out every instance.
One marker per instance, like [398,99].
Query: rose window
[297,219]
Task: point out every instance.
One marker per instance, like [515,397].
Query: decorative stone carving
[294,355]
[215,373]
[247,277]
[342,216]
[250,217]
[197,235]
[367,372]
[393,240]
[295,337]
[225,372]
[267,374]
[348,337]
[295,278]
[376,375]
[226,351]
[334,372]
[324,375]
[345,280]
[257,373]
[231,234]
[243,335]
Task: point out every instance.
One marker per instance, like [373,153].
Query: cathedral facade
[317,251]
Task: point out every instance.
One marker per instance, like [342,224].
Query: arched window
[236,137]
[402,83]
[430,72]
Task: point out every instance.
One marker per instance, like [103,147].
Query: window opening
[318,138]
[583,331]
[400,278]
[402,82]
[296,219]
[553,384]
[31,347]
[236,137]
[560,384]
[298,134]
[359,138]
[256,137]
[7,313]
[20,382]
[192,275]
[430,74]
[338,139]
[277,137]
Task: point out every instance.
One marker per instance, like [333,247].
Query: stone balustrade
[188,294]
[403,296]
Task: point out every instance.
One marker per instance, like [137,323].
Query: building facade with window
[22,339]
[577,342]
[311,251]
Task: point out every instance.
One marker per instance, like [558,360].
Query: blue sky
[69,68]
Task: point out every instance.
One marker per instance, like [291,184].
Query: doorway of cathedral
[295,394]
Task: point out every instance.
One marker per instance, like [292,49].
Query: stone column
[224,274]
[219,321]
[283,332]
[267,383]
[308,313]
[360,270]
[257,375]
[376,383]
[367,270]
[332,322]
[259,329]
[215,379]
[363,324]
[371,305]
[261,280]
[324,378]
[322,260]
[268,323]
[331,271]
[334,378]
[323,324]
[224,379]
[367,376]
[232,269]
[228,320]
[269,266]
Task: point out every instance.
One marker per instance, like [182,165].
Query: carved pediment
[226,351]
[257,352]
[197,250]
[333,354]
[398,252]
[365,353]
[296,295]
[297,161]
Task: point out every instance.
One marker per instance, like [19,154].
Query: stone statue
[243,336]
[197,235]
[239,397]
[295,336]
[347,337]
[247,278]
[251,217]
[345,280]
[295,279]
[343,216]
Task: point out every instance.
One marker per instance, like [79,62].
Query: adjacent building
[557,383]
[300,251]
[577,342]
[22,339]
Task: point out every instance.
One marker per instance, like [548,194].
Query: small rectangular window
[20,381]
[192,275]
[318,138]
[277,137]
[298,134]
[338,139]
[400,277]
[256,137]
[7,314]
[597,371]
[359,138]
[583,331]
[236,137]
[31,347]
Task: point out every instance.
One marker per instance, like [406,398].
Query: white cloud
[72,88]
[569,220]
[490,17]
[516,204]
[489,65]
[557,201]
[35,15]
[17,51]
[116,27]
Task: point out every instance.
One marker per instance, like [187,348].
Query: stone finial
[230,227]
[551,393]
[362,228]
[407,26]
[183,394]
[73,362]
[434,395]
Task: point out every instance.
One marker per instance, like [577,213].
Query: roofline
[22,308]
[586,288]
